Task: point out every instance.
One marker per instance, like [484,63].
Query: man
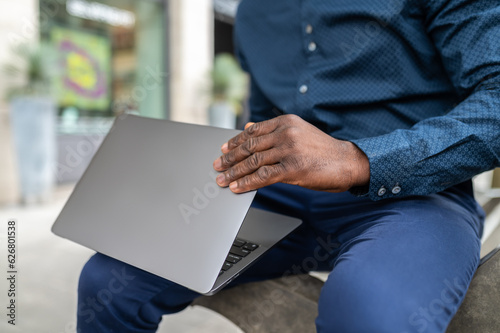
[397,102]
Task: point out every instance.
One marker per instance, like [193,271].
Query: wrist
[360,167]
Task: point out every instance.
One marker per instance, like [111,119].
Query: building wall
[191,58]
[18,24]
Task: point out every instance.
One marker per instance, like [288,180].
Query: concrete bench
[480,311]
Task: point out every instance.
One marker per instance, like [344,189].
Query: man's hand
[288,149]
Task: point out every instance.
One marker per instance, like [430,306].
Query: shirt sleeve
[439,152]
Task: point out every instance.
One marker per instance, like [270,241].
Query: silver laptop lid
[151,185]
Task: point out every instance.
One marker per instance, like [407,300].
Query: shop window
[110,56]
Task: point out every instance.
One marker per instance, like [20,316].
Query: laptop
[149,198]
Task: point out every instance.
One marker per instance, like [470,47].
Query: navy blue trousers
[395,265]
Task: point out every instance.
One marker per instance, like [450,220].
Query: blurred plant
[33,70]
[229,82]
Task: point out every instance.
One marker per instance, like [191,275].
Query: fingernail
[224,147]
[220,179]
[217,164]
[233,186]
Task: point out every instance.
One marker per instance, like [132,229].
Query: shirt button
[303,89]
[312,46]
[381,191]
[309,29]
[396,189]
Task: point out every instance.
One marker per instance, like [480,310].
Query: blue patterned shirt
[415,84]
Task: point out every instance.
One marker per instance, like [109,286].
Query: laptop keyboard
[240,249]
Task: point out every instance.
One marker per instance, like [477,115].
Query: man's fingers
[246,149]
[265,175]
[254,130]
[225,148]
[248,166]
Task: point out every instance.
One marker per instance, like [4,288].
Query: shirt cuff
[390,166]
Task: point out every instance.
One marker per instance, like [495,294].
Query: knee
[91,279]
[102,281]
[103,277]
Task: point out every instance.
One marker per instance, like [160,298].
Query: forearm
[437,152]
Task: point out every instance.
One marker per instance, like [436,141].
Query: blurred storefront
[148,57]
[110,59]
[111,56]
